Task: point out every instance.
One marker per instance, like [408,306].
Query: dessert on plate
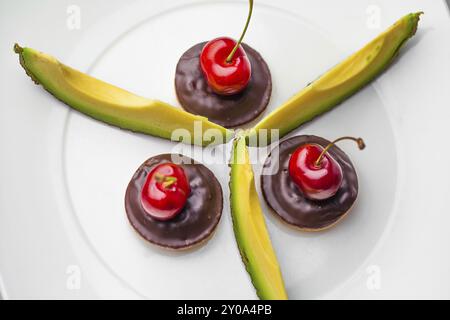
[173,201]
[176,203]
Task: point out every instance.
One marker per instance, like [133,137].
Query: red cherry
[315,171]
[317,181]
[225,77]
[225,64]
[165,191]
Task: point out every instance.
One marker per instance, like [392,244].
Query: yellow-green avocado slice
[113,105]
[250,228]
[340,82]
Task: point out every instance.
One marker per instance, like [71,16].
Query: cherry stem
[166,181]
[169,181]
[230,56]
[359,141]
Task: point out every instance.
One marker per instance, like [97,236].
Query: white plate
[63,229]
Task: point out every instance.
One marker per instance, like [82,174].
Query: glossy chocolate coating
[199,217]
[287,200]
[195,95]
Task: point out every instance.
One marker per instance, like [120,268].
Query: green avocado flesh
[250,228]
[339,83]
[116,106]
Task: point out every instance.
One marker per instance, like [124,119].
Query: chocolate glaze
[195,95]
[199,217]
[287,200]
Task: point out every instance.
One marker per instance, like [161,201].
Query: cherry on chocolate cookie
[224,80]
[197,97]
[200,214]
[287,199]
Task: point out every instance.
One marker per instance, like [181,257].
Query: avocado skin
[131,112]
[250,229]
[337,84]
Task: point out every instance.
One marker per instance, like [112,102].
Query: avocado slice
[340,82]
[250,228]
[116,106]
